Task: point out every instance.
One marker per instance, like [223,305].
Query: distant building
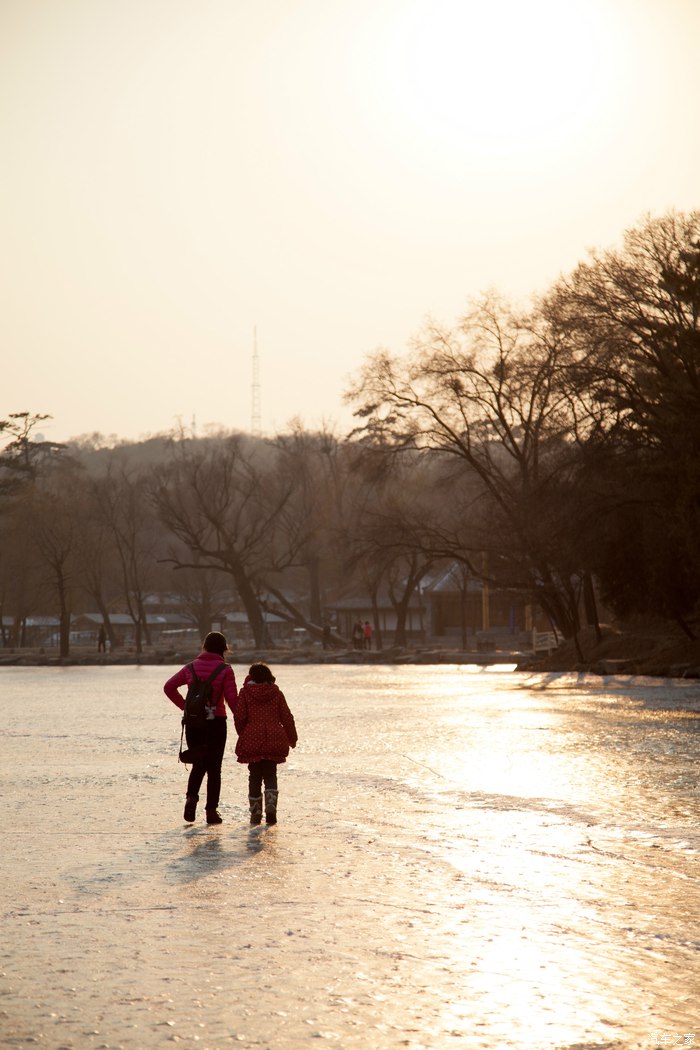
[450,608]
[462,608]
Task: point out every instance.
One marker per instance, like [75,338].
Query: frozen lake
[462,860]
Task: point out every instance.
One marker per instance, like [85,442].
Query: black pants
[257,772]
[213,735]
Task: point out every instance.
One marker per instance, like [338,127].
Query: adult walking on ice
[266,732]
[206,743]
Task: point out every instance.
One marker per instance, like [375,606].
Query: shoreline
[244,657]
[640,653]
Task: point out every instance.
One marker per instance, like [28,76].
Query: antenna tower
[255,425]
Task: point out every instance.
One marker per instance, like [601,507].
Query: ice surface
[461,860]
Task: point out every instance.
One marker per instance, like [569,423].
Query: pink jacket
[224,685]
[264,723]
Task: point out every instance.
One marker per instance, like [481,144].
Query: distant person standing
[102,639]
[357,635]
[207,742]
[266,731]
[367,632]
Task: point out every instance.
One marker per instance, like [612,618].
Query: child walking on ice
[266,731]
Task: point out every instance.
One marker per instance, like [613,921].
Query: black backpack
[198,702]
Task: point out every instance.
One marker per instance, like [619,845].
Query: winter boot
[255,809]
[191,808]
[271,805]
[214,817]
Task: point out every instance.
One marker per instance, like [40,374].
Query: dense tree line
[553,451]
[218,523]
[575,425]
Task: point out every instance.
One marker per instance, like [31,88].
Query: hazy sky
[175,173]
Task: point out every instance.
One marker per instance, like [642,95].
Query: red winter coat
[264,723]
[223,688]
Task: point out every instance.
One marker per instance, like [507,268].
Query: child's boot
[255,809]
[271,805]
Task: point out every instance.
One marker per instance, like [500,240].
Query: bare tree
[387,539]
[632,319]
[490,395]
[126,512]
[202,593]
[22,585]
[220,499]
[56,540]
[314,465]
[37,522]
[100,566]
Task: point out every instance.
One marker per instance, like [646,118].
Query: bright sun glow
[505,75]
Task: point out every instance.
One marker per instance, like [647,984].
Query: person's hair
[215,643]
[260,673]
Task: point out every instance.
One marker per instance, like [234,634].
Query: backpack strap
[213,675]
[207,681]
